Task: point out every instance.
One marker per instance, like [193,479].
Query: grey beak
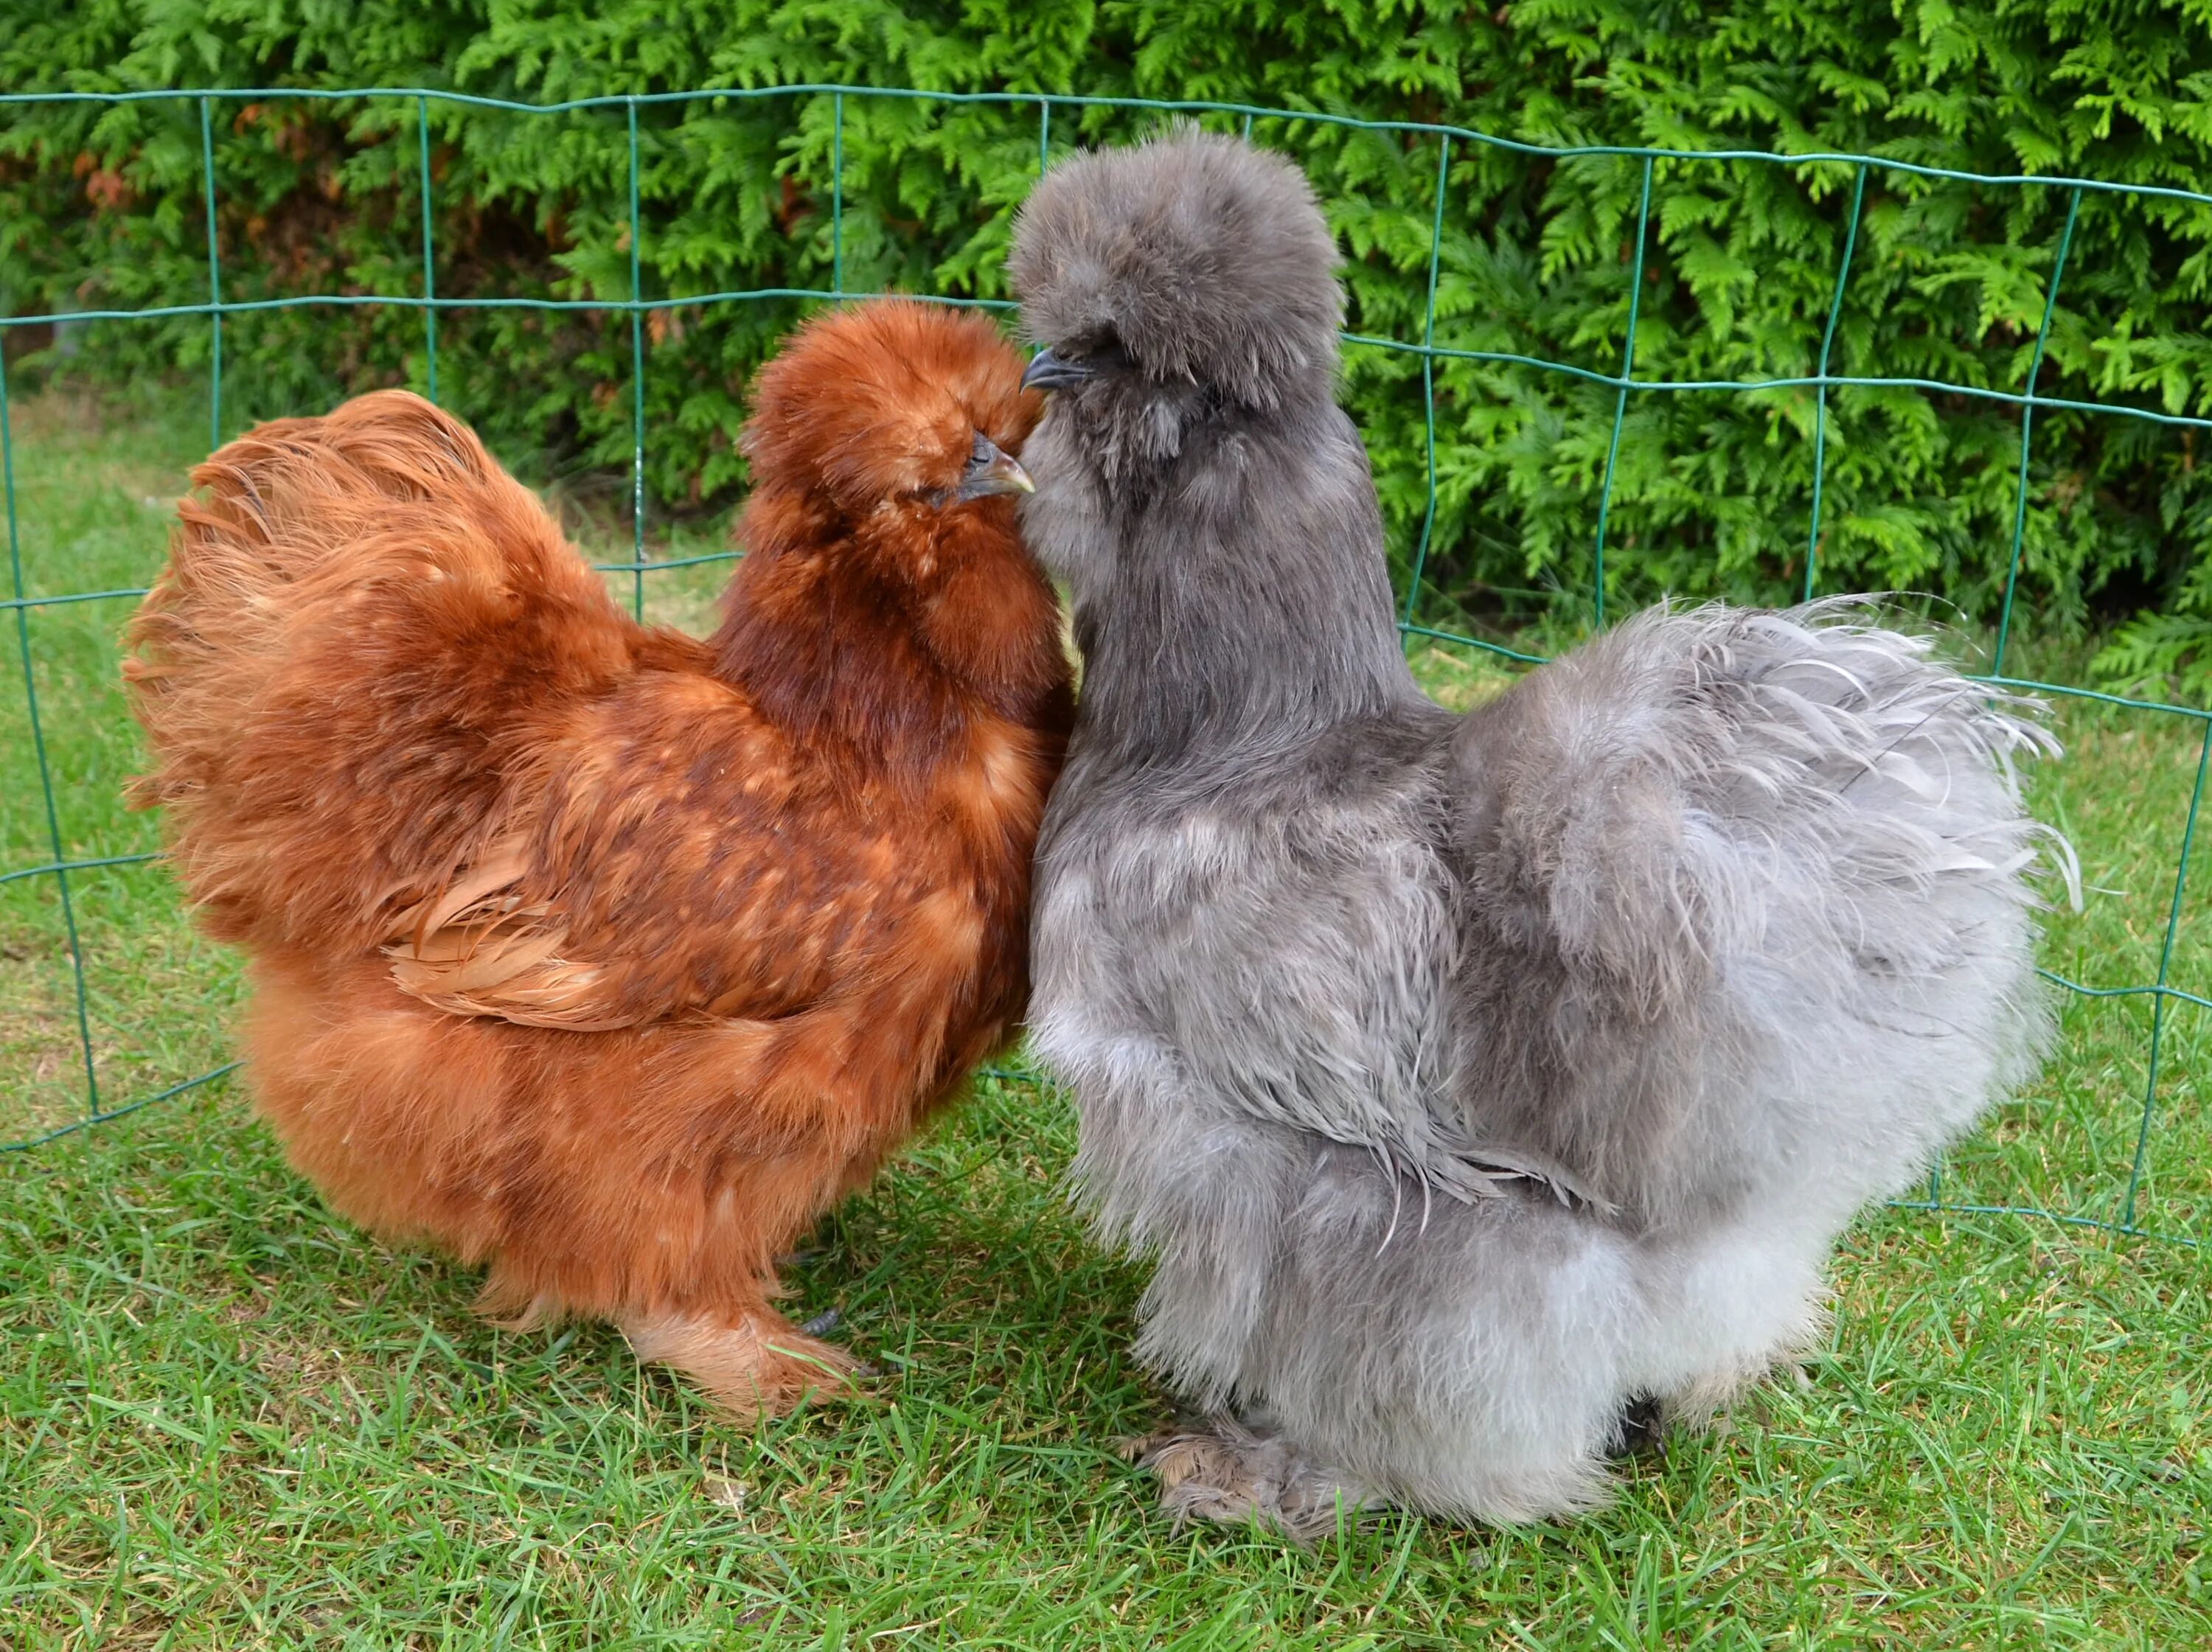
[999,473]
[1048,372]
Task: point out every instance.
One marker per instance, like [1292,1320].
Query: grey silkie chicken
[1487,1088]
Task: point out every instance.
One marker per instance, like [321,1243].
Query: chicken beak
[999,473]
[1048,372]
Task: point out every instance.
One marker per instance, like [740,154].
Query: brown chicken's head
[892,401]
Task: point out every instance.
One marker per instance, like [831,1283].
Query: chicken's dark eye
[1098,354]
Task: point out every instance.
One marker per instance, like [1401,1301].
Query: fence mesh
[66,872]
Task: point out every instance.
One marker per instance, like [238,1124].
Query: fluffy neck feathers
[888,633]
[1246,600]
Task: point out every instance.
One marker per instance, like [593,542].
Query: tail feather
[279,503]
[357,611]
[1757,855]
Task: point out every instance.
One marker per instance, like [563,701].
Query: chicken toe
[1229,1473]
[758,1364]
[1641,1431]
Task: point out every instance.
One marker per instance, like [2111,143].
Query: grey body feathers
[1466,1076]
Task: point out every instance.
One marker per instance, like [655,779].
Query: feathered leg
[1232,1473]
[752,1363]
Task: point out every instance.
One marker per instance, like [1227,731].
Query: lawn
[229,1420]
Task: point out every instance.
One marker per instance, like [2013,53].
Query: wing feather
[665,857]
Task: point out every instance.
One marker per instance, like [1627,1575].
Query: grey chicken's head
[1199,493]
[1186,277]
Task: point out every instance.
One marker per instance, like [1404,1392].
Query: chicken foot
[756,1363]
[1230,1472]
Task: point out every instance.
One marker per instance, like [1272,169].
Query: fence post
[38,745]
[1621,402]
[215,280]
[2164,967]
[1429,381]
[2027,427]
[429,270]
[837,193]
[637,383]
[1820,406]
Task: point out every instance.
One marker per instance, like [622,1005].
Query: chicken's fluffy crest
[882,400]
[1206,260]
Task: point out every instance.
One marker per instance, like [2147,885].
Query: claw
[1641,1431]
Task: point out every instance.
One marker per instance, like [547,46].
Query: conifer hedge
[101,207]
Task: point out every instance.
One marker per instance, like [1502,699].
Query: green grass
[228,1421]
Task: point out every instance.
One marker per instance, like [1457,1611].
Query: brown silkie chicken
[599,954]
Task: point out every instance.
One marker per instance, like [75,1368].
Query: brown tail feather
[352,603]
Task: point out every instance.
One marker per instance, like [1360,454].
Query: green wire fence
[65,870]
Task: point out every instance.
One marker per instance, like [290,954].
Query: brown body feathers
[602,955]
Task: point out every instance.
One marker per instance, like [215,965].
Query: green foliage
[2171,650]
[101,207]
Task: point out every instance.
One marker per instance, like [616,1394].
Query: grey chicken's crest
[1206,260]
[1484,1086]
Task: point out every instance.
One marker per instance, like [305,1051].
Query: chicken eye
[1104,351]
